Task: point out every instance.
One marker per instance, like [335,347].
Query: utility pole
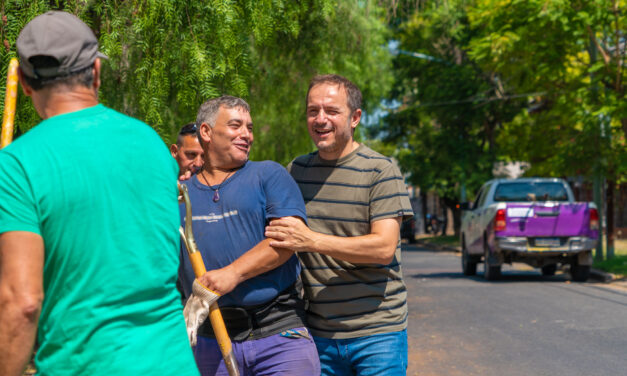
[597,177]
[598,200]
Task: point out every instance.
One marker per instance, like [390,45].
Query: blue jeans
[379,354]
[291,353]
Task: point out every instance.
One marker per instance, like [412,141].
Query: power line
[483,100]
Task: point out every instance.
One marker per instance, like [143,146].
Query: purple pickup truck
[531,220]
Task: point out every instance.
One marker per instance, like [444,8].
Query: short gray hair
[208,111]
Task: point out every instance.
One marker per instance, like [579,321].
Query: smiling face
[230,139]
[330,121]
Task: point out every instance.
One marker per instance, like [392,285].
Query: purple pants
[292,352]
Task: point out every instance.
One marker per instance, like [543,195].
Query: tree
[450,109]
[573,52]
[166,58]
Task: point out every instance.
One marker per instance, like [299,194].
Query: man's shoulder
[125,120]
[265,165]
[303,160]
[366,154]
[264,170]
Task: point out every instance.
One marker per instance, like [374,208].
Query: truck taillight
[594,219]
[499,220]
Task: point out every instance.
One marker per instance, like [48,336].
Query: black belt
[285,311]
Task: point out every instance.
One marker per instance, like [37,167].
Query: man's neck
[49,104]
[335,155]
[211,175]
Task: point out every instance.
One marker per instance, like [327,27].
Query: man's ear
[174,149]
[355,118]
[205,132]
[96,73]
[28,91]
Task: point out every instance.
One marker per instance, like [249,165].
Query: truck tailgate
[547,220]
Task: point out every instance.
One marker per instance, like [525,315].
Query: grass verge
[448,240]
[617,265]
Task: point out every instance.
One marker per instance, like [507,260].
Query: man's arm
[21,296]
[258,260]
[377,247]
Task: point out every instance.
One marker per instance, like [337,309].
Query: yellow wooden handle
[197,264]
[9,104]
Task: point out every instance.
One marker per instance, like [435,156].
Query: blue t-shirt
[225,230]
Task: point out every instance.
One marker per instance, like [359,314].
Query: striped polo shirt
[343,197]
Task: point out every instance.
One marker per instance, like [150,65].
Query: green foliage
[451,110]
[346,40]
[572,54]
[541,81]
[13,16]
[167,57]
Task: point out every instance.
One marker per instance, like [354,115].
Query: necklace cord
[216,193]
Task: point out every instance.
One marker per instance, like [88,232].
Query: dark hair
[83,77]
[353,95]
[188,129]
[209,110]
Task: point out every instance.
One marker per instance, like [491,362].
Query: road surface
[524,324]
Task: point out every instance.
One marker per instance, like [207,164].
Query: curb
[437,247]
[602,276]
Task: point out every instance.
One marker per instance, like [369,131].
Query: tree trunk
[423,202]
[457,217]
[444,216]
[609,218]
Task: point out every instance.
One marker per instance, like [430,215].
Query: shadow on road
[513,276]
[405,247]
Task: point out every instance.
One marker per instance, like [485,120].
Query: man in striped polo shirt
[355,200]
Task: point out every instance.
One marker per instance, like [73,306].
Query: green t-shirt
[100,188]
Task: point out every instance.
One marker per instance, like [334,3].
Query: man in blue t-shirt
[233,199]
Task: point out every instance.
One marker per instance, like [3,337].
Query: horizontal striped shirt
[343,197]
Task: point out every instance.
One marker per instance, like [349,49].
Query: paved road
[524,324]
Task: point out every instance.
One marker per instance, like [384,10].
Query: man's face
[330,121]
[231,138]
[189,154]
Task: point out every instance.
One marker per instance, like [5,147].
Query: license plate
[547,242]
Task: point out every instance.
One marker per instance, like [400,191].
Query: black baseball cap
[60,36]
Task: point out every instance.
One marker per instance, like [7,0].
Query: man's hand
[222,281]
[377,247]
[290,233]
[186,176]
[197,309]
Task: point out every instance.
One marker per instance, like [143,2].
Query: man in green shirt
[88,224]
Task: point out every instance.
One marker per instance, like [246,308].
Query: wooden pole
[9,104]
[217,322]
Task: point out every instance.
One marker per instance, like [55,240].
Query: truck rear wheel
[548,270]
[579,273]
[469,263]
[490,272]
